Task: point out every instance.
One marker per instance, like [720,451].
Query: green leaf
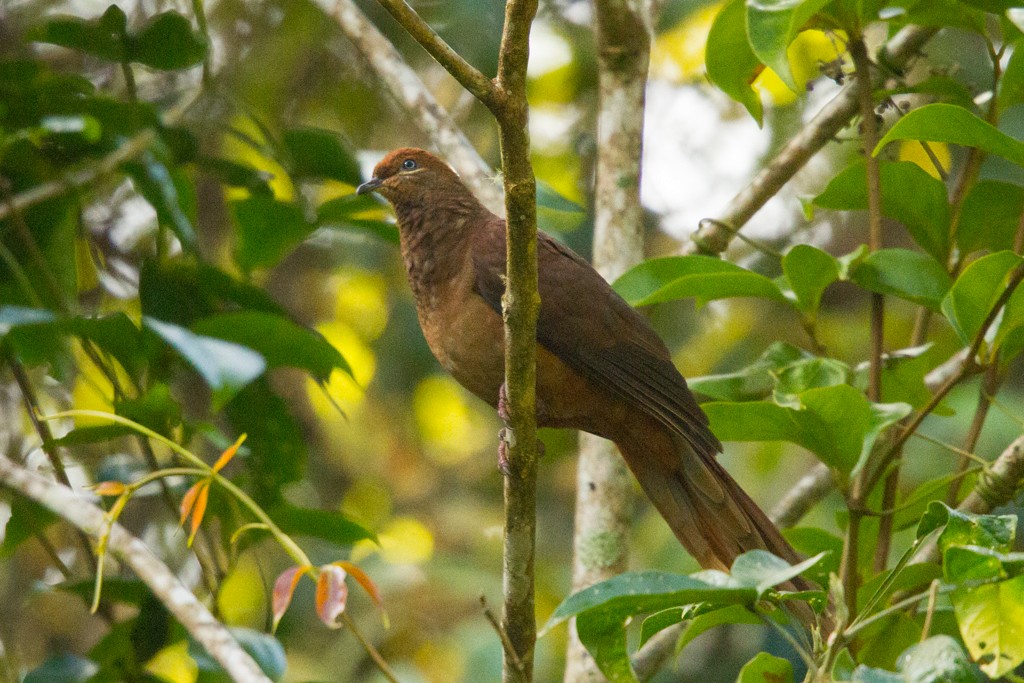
[167,42]
[964,563]
[62,668]
[348,213]
[603,609]
[990,215]
[836,423]
[909,195]
[949,123]
[766,668]
[764,571]
[155,409]
[811,373]
[555,213]
[772,25]
[225,367]
[867,674]
[730,614]
[659,621]
[991,618]
[318,153]
[639,592]
[327,525]
[905,274]
[27,518]
[267,230]
[975,292]
[238,175]
[939,659]
[809,271]
[903,373]
[753,382]
[730,62]
[964,528]
[1011,85]
[703,277]
[280,341]
[103,37]
[165,189]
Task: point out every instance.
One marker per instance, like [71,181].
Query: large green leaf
[555,213]
[27,518]
[702,277]
[836,423]
[964,528]
[766,668]
[1011,85]
[772,25]
[990,215]
[167,42]
[972,297]
[602,610]
[991,618]
[949,123]
[730,614]
[280,341]
[318,153]
[905,274]
[103,37]
[348,213]
[324,524]
[267,230]
[909,195]
[764,571]
[731,63]
[224,366]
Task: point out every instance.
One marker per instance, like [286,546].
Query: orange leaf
[109,488]
[228,453]
[194,503]
[364,580]
[284,588]
[331,593]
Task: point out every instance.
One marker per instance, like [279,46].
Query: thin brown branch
[988,389]
[189,612]
[378,659]
[848,569]
[419,104]
[714,237]
[479,85]
[506,642]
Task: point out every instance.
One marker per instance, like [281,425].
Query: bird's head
[410,176]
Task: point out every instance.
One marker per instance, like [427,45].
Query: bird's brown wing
[597,334]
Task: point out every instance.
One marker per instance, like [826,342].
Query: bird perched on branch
[601,368]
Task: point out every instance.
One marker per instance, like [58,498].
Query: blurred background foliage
[245,203]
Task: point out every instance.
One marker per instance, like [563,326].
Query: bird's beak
[369,186]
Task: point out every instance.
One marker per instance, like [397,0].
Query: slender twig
[933,597]
[416,99]
[1014,279]
[713,238]
[849,572]
[989,387]
[506,643]
[200,13]
[479,85]
[378,660]
[189,612]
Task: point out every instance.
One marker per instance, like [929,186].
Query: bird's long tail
[709,513]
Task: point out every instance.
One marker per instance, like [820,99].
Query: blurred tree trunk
[603,483]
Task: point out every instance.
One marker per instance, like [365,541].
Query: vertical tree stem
[521,306]
[603,483]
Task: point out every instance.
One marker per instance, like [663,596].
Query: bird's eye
[408,164]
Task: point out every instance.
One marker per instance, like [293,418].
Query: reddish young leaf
[109,488]
[194,504]
[364,580]
[284,588]
[228,453]
[331,593]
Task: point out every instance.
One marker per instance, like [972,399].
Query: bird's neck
[435,239]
